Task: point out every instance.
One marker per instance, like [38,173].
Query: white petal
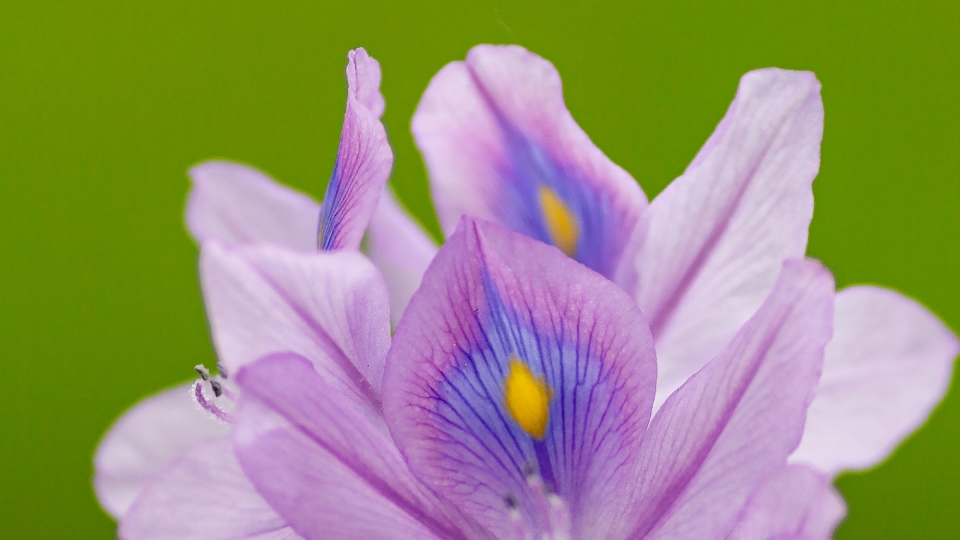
[147,438]
[889,364]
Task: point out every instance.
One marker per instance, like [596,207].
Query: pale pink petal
[708,249]
[203,495]
[736,420]
[796,503]
[331,307]
[495,132]
[401,249]
[889,364]
[328,466]
[144,440]
[235,204]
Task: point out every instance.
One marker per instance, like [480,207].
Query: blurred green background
[104,105]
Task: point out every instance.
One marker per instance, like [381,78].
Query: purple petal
[145,440]
[364,159]
[709,248]
[235,204]
[200,496]
[796,503]
[492,299]
[889,364]
[330,307]
[500,145]
[401,250]
[736,420]
[326,465]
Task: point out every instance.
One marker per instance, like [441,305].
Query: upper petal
[203,495]
[401,249]
[511,358]
[888,365]
[709,248]
[737,419]
[330,307]
[795,503]
[500,144]
[328,466]
[364,159]
[144,440]
[236,204]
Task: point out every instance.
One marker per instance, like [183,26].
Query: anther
[217,387]
[222,371]
[202,371]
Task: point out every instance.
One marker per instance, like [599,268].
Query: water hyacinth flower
[500,144]
[514,403]
[702,257]
[266,298]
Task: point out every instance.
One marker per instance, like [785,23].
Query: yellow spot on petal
[560,221]
[527,398]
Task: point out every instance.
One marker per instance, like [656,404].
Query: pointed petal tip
[363,80]
[807,79]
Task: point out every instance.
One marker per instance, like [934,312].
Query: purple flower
[515,403]
[699,261]
[516,397]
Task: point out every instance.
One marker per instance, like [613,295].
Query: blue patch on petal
[519,205]
[480,437]
[332,211]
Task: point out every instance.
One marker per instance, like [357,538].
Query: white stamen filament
[549,511]
[222,395]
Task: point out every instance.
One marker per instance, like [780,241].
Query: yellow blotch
[560,221]
[527,398]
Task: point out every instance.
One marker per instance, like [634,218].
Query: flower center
[560,221]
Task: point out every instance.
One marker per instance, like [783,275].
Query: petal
[709,248]
[497,308]
[203,495]
[144,440]
[327,466]
[736,420]
[500,145]
[401,249]
[235,204]
[796,503]
[889,364]
[364,159]
[330,307]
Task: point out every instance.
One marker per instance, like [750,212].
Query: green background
[103,106]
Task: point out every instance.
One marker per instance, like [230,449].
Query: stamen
[217,387]
[222,371]
[550,512]
[538,493]
[202,371]
[209,406]
[513,513]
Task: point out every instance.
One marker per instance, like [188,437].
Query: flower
[699,260]
[437,449]
[704,255]
[708,250]
[231,206]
